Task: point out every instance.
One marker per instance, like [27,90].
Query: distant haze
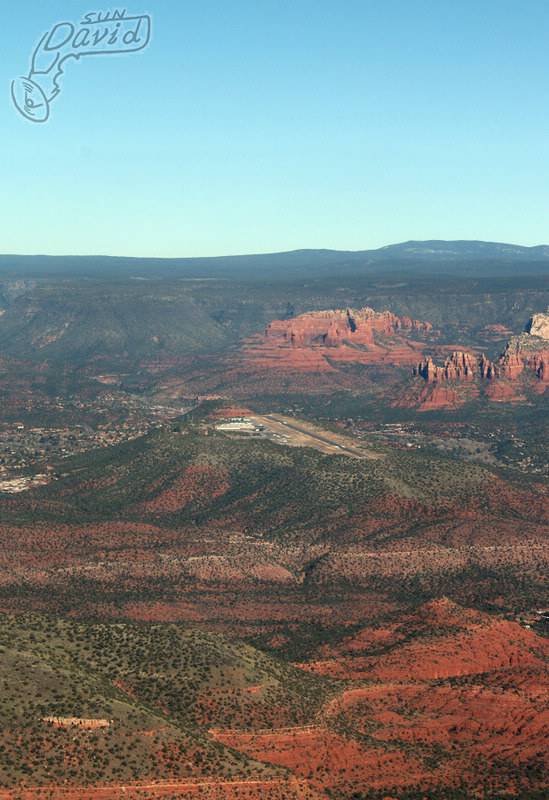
[432,256]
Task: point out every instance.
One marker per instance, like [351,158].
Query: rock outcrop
[460,366]
[327,350]
[539,362]
[522,352]
[526,356]
[510,365]
[496,333]
[539,325]
[333,328]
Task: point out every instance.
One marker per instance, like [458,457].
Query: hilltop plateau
[367,351]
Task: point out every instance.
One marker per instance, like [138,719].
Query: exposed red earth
[315,351]
[337,349]
[442,697]
[461,366]
[334,327]
[230,570]
[496,333]
[205,789]
[327,341]
[225,573]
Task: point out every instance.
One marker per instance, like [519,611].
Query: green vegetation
[291,486]
[200,524]
[74,318]
[292,550]
[158,686]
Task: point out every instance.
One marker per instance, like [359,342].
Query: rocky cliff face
[321,351]
[364,350]
[334,328]
[527,351]
[539,325]
[527,354]
[460,366]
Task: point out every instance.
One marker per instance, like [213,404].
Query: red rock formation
[333,328]
[445,677]
[510,365]
[319,351]
[539,362]
[525,352]
[331,350]
[502,390]
[539,325]
[434,395]
[457,367]
[426,369]
[439,397]
[488,370]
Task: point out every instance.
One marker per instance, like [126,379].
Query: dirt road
[204,789]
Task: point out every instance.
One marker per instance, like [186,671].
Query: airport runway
[318,437]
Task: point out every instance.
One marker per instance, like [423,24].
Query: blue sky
[263,126]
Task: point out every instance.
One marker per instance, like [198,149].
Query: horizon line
[275,252]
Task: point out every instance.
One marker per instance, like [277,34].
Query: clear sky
[264,125]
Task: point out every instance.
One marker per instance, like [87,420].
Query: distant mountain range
[456,257]
[436,249]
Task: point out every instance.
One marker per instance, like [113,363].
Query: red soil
[205,789]
[197,483]
[329,760]
[464,375]
[318,351]
[455,698]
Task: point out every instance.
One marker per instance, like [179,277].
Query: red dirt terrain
[326,351]
[272,543]
[442,697]
[207,789]
[375,535]
[322,350]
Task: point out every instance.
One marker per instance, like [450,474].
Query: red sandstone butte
[523,364]
[335,327]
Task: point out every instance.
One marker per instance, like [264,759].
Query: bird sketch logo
[97,34]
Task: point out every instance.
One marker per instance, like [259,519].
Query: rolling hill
[443,702]
[255,536]
[86,704]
